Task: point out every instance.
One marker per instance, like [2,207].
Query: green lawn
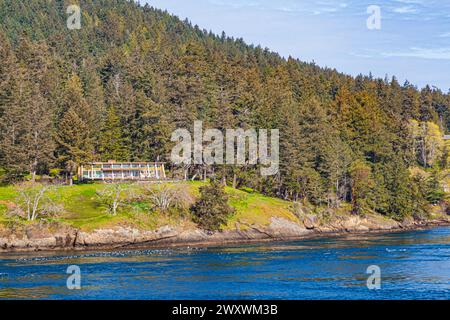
[254,208]
[82,209]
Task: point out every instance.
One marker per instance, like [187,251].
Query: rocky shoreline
[64,238]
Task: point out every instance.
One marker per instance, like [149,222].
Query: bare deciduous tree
[112,197]
[30,198]
[164,196]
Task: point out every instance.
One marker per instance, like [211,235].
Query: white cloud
[405,10]
[410,1]
[362,55]
[422,53]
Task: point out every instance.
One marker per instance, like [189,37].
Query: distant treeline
[119,86]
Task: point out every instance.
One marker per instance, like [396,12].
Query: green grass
[256,209]
[7,193]
[83,210]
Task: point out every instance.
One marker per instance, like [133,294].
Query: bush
[211,211]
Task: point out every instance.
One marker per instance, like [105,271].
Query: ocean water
[413,265]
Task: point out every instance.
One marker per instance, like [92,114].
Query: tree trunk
[224,178]
[33,167]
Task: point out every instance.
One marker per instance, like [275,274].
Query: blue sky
[413,42]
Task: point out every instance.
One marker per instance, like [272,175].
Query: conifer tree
[26,127]
[73,143]
[161,73]
[211,211]
[113,145]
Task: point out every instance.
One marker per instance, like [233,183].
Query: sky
[411,40]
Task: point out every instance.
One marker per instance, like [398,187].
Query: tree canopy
[118,87]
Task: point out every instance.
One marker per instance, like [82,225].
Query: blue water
[414,265]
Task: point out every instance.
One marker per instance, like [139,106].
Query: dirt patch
[9,205]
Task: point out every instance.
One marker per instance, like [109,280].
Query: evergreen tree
[211,211]
[161,73]
[113,145]
[25,127]
[361,184]
[74,144]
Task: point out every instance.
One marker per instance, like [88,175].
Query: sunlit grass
[256,209]
[83,210]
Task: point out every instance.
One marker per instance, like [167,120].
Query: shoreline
[199,238]
[315,235]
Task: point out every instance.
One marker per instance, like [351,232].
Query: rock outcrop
[62,237]
[39,237]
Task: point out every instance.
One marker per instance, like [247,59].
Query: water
[414,265]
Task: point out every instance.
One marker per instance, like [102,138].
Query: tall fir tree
[113,145]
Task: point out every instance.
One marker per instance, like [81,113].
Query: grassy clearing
[256,209]
[83,210]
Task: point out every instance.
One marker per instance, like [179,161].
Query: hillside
[119,86]
[76,218]
[82,208]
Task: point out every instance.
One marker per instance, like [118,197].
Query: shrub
[211,211]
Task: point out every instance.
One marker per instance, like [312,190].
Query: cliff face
[62,237]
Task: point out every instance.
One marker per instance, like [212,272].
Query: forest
[118,87]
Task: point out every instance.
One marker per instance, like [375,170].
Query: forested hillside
[119,86]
